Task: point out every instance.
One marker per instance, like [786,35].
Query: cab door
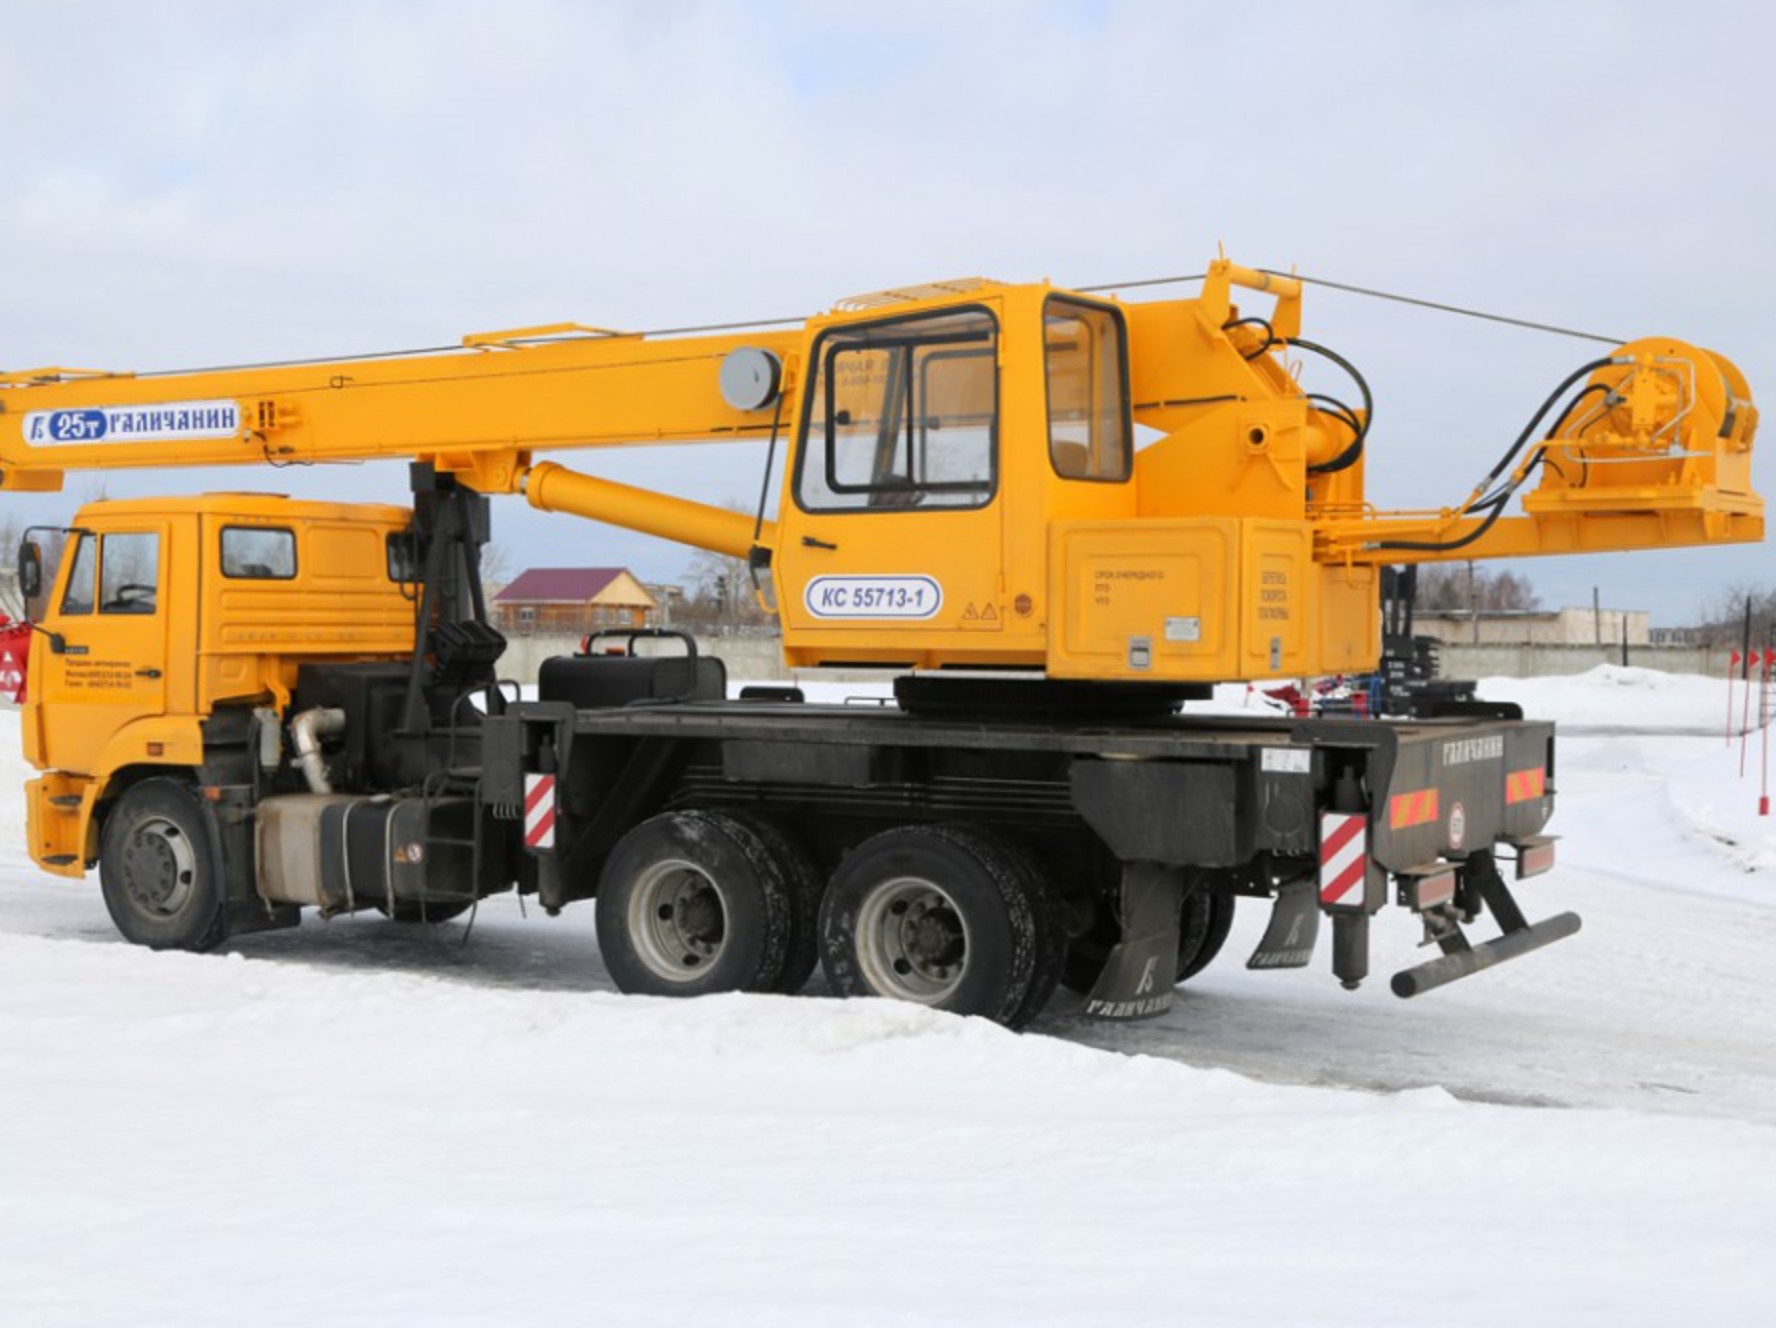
[893,544]
[111,613]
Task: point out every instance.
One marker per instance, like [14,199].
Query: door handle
[147,674]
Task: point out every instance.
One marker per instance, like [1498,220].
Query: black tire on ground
[692,903]
[952,916]
[1051,933]
[158,868]
[805,882]
[425,912]
[1214,935]
[1202,930]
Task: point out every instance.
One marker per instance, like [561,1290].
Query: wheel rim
[159,866]
[912,941]
[678,920]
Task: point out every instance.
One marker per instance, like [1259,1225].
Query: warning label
[982,614]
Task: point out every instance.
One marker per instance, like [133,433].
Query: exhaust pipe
[306,732]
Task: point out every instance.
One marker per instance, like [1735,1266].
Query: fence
[1528,660]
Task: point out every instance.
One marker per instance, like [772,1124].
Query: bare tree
[496,564]
[1723,623]
[1463,588]
[11,602]
[719,592]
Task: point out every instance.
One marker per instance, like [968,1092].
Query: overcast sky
[189,184]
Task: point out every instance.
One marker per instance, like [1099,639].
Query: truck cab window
[403,557]
[260,553]
[129,573]
[78,598]
[1087,377]
[903,414]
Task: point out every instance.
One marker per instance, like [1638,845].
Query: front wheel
[158,869]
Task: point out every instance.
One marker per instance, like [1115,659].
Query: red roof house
[572,600]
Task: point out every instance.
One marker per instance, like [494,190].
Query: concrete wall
[1572,626]
[1526,660]
[761,658]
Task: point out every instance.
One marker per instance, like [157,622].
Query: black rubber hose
[1354,449]
[1504,462]
[1497,502]
[1438,545]
[1541,457]
[1270,337]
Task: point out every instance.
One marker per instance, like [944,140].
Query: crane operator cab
[1003,422]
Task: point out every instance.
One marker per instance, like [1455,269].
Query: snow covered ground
[357,1122]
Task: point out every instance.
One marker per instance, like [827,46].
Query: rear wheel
[803,878]
[692,903]
[1202,930]
[1211,939]
[955,917]
[158,869]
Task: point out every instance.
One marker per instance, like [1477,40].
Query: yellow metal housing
[977,475]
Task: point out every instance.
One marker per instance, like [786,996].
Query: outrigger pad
[1288,941]
[1137,978]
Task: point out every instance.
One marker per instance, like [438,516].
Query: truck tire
[1202,930]
[1051,933]
[952,916]
[158,868]
[1213,937]
[695,902]
[803,877]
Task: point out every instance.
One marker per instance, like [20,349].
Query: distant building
[1679,637]
[1575,626]
[572,600]
[668,596]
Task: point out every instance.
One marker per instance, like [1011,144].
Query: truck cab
[260,585]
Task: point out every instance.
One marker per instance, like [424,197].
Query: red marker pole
[1732,664]
[1764,726]
[1745,683]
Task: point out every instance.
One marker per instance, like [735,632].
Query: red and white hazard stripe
[539,812]
[1344,855]
[12,676]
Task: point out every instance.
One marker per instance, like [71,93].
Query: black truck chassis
[1126,844]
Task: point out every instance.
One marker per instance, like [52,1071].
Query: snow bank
[215,1140]
[1619,695]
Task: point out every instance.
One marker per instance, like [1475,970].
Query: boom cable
[692,329]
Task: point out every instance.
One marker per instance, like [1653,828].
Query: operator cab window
[258,553]
[78,598]
[1088,402]
[903,414]
[129,573]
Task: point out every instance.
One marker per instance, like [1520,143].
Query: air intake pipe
[306,732]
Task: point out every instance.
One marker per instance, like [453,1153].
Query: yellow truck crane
[1060,515]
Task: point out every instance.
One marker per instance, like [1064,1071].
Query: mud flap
[1288,941]
[1137,978]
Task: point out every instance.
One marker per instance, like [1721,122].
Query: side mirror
[30,570]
